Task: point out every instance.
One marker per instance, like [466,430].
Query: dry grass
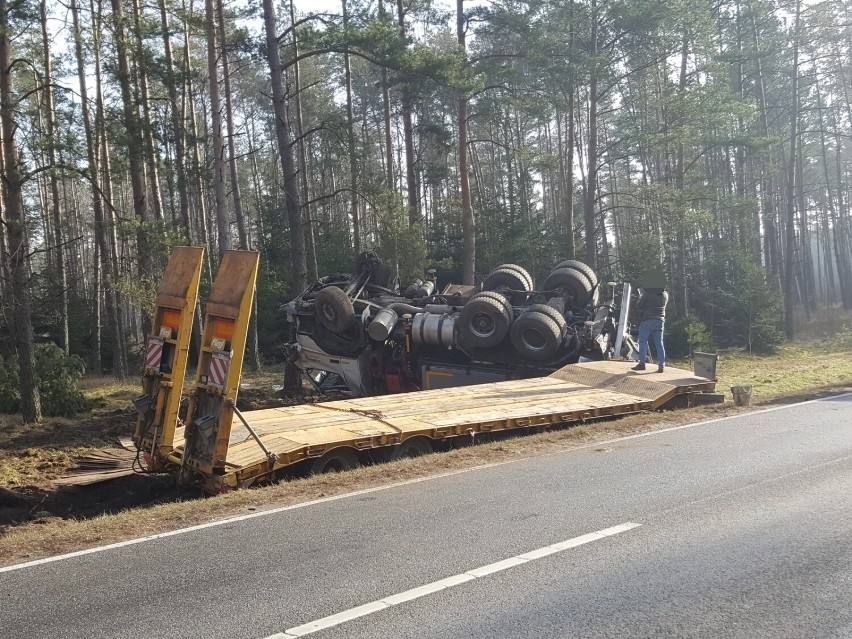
[797,370]
[33,454]
[801,367]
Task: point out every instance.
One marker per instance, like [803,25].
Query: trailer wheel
[508,276]
[584,268]
[412,447]
[572,282]
[334,461]
[484,321]
[553,314]
[536,336]
[334,309]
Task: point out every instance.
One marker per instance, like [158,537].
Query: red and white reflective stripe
[154,353]
[218,373]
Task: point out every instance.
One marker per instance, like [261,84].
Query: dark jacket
[652,304]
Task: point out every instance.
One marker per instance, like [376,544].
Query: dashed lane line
[449,582]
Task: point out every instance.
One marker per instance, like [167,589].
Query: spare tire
[571,282]
[334,309]
[508,276]
[584,268]
[553,314]
[484,321]
[536,336]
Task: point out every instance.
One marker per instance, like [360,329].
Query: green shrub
[10,386]
[57,376]
[57,381]
[686,335]
[740,307]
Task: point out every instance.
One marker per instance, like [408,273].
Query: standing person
[652,321]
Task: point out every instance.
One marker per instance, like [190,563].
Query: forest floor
[38,519]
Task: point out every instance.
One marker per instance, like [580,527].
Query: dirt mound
[31,503]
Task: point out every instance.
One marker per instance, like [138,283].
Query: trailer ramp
[166,354]
[658,388]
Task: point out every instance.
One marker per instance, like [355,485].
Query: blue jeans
[652,329]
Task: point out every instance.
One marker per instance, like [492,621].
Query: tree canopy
[709,138]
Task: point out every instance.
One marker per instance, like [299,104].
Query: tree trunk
[592,153]
[177,125]
[135,144]
[5,273]
[386,112]
[201,205]
[681,285]
[307,217]
[350,139]
[767,188]
[229,121]
[102,262]
[468,218]
[790,233]
[114,301]
[841,238]
[222,224]
[55,203]
[408,133]
[285,151]
[147,130]
[12,186]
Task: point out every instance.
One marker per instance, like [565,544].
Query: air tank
[411,291]
[433,328]
[426,289]
[382,325]
[419,288]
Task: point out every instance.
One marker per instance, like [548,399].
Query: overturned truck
[363,334]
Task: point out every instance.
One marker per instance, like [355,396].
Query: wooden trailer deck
[574,393]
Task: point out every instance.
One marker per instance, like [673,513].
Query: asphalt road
[740,527]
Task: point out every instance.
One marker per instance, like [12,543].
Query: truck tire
[484,321]
[584,268]
[412,447]
[573,283]
[536,336]
[334,309]
[334,461]
[553,314]
[525,274]
[508,276]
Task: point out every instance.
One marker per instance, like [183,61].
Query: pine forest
[711,138]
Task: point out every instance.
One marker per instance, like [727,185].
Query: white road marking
[313,502]
[449,582]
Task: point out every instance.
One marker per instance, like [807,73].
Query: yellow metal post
[166,355]
[220,363]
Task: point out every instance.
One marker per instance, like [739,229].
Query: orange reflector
[171,319]
[224,329]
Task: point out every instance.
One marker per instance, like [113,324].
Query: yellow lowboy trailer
[337,435]
[225,449]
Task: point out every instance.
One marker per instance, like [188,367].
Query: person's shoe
[661,369]
[638,367]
